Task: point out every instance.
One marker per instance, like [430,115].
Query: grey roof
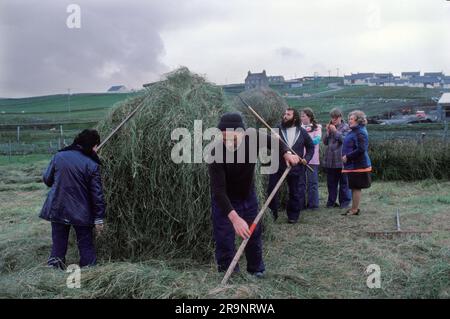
[359,76]
[115,88]
[256,76]
[384,75]
[411,73]
[434,74]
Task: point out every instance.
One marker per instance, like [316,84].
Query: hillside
[58,108]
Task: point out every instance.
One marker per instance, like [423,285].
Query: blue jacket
[302,141]
[355,146]
[76,195]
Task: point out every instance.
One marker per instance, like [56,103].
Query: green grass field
[40,118]
[57,108]
[323,256]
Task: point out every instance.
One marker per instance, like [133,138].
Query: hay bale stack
[269,104]
[154,206]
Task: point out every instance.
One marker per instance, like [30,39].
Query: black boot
[275,214]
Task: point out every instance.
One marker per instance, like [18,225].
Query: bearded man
[298,140]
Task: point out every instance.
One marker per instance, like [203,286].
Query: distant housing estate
[407,79]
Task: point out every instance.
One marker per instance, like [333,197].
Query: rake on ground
[398,232]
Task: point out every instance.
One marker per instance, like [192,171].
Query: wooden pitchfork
[272,130]
[129,116]
[238,254]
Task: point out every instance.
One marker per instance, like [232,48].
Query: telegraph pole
[68,99]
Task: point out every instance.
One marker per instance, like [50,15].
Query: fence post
[10,150]
[18,134]
[445,130]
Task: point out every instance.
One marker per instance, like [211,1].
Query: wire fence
[24,141]
[49,147]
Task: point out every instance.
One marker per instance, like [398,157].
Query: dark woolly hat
[88,138]
[231,121]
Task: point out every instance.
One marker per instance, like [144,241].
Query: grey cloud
[118,43]
[291,53]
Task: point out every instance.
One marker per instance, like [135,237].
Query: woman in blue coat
[357,164]
[75,198]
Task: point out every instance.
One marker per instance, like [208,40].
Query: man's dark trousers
[224,234]
[296,187]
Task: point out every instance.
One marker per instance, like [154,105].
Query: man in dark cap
[233,195]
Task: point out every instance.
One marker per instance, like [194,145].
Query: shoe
[291,221]
[332,205]
[258,274]
[349,212]
[275,215]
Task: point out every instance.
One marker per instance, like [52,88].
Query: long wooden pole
[120,125]
[272,130]
[238,254]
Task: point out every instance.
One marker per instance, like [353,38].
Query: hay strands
[398,232]
[129,116]
[271,129]
[238,254]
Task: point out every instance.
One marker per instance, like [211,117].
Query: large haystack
[156,207]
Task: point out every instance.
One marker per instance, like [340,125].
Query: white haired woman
[357,164]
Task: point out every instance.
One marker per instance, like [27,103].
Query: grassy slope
[325,255]
[54,108]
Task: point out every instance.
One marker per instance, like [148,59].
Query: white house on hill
[446,82]
[444,107]
[358,78]
[118,89]
[425,82]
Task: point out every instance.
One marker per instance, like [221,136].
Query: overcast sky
[134,42]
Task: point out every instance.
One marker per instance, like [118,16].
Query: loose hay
[266,102]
